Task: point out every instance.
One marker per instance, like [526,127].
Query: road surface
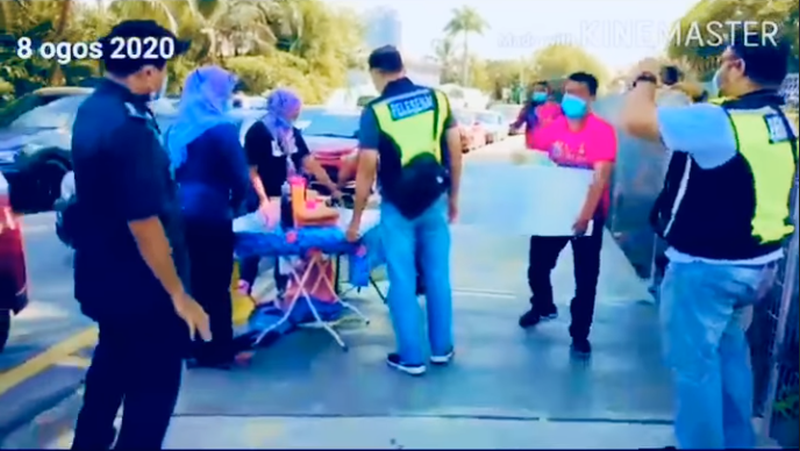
[36,368]
[507,388]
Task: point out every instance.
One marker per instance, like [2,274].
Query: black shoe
[581,347]
[393,360]
[533,317]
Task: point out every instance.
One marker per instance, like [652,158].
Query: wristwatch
[646,77]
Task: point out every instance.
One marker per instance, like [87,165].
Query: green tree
[445,55]
[505,74]
[465,22]
[557,61]
[306,44]
[694,43]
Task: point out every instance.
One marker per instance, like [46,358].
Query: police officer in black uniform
[129,256]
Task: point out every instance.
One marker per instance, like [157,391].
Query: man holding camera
[724,212]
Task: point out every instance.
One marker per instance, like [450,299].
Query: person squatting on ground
[724,211]
[539,110]
[209,166]
[276,150]
[578,139]
[131,265]
[410,129]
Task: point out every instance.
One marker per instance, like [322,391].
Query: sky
[618,32]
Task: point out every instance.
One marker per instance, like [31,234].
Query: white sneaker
[443,359]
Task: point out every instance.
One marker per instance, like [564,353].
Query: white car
[495,124]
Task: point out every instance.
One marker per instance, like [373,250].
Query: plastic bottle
[287,214]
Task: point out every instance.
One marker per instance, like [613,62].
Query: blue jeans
[703,331]
[428,235]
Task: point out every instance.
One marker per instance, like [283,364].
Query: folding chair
[314,267]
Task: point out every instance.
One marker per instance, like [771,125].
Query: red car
[473,133]
[13,277]
[331,135]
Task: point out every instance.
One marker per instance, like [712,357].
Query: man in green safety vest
[410,130]
[724,211]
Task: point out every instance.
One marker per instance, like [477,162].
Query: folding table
[253,238]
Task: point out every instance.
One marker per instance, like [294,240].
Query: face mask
[539,96]
[574,107]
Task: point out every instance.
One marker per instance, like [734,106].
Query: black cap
[386,59]
[123,59]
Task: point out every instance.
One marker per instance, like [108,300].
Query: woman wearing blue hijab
[213,179]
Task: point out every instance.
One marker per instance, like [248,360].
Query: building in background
[382,27]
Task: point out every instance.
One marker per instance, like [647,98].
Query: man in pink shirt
[579,139]
[538,111]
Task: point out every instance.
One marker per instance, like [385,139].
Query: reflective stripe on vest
[415,134]
[772,166]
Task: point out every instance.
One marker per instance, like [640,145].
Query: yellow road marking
[75,362]
[52,356]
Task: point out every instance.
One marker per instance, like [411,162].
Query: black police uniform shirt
[122,174]
[270,159]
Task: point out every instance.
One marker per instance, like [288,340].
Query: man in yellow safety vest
[411,130]
[724,212]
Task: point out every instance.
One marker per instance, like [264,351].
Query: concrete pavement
[507,388]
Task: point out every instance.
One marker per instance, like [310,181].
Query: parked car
[13,275]
[35,155]
[35,149]
[35,99]
[496,126]
[331,135]
[472,132]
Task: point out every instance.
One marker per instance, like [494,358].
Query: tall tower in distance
[383,27]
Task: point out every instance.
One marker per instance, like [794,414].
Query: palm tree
[444,54]
[465,21]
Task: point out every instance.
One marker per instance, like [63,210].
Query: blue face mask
[574,107]
[539,96]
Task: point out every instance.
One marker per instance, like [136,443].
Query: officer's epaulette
[133,112]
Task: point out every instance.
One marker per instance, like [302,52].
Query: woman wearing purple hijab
[211,171]
[275,148]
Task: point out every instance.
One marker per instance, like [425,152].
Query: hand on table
[337,194]
[270,212]
[352,234]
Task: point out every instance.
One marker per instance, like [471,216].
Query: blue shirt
[704,131]
[214,181]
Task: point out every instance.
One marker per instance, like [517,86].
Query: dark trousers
[248,271]
[137,365]
[542,257]
[210,246]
